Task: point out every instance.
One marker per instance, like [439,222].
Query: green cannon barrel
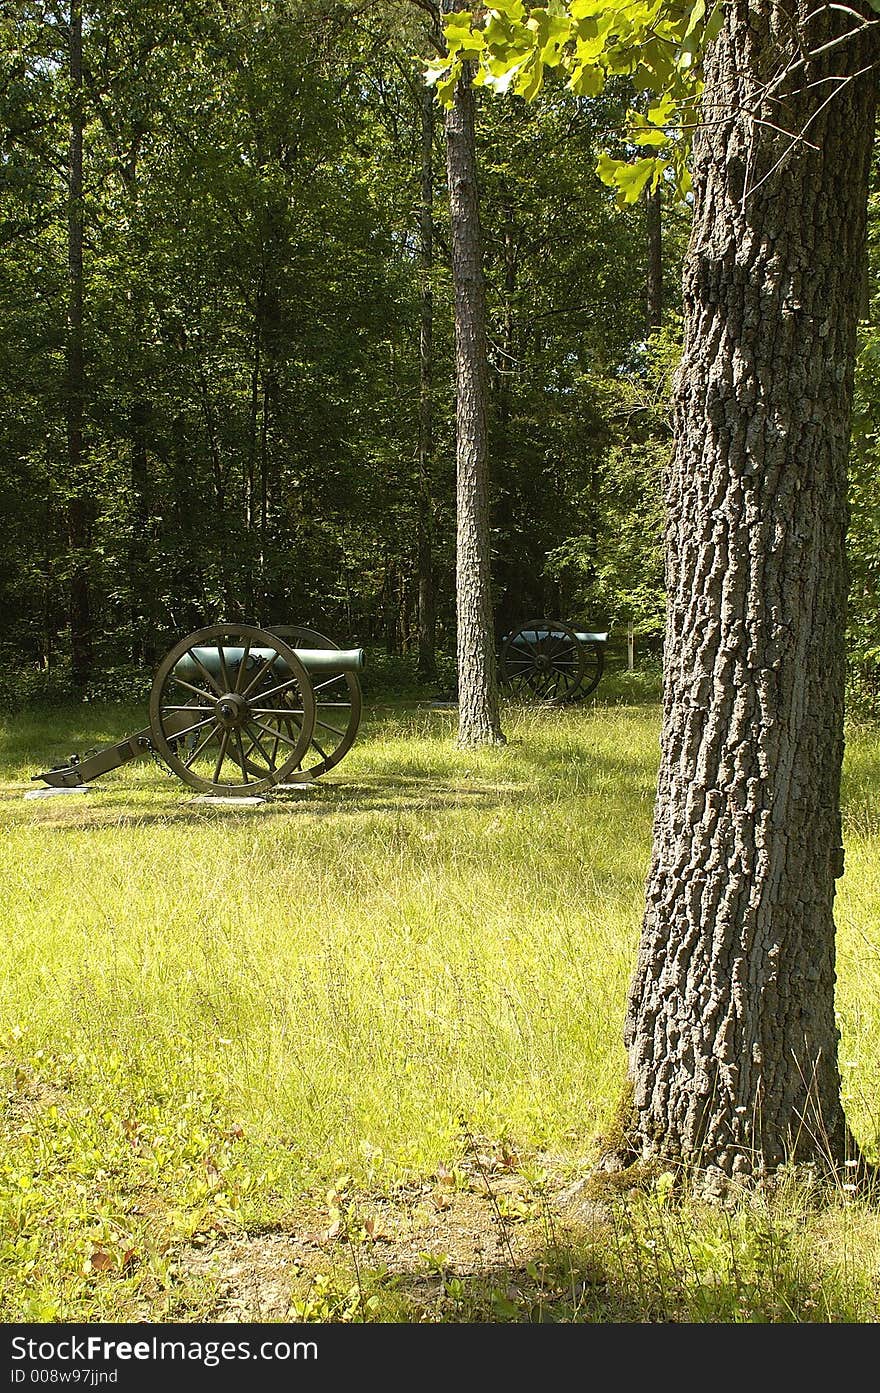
[318,662]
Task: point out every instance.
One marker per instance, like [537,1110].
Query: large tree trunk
[479,721]
[79,505]
[730,1025]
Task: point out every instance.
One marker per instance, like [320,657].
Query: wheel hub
[231,710]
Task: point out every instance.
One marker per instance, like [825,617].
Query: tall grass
[210,1013]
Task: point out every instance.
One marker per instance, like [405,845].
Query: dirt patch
[462,1240]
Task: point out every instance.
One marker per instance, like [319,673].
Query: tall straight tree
[427,613]
[79,505]
[654,260]
[730,1026]
[479,718]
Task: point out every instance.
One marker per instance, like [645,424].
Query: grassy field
[344,1055]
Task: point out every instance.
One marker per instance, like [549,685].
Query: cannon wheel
[338,706]
[544,659]
[251,726]
[594,666]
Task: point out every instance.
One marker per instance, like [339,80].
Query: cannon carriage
[550,661]
[237,710]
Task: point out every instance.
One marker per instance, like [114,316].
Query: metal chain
[156,757]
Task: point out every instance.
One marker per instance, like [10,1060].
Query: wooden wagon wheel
[543,659]
[252,705]
[594,666]
[338,706]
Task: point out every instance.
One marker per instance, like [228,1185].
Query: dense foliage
[251,290]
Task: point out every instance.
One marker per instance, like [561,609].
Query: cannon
[550,661]
[236,710]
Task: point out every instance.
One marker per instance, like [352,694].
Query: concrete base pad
[227,802]
[52,792]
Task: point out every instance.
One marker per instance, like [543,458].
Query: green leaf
[460,37]
[716,19]
[628,178]
[512,9]
[502,80]
[433,72]
[660,113]
[696,15]
[530,79]
[443,77]
[552,33]
[497,31]
[586,9]
[587,81]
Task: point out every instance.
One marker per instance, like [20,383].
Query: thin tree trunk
[264,491]
[654,276]
[733,1043]
[427,623]
[79,505]
[141,591]
[479,716]
[250,501]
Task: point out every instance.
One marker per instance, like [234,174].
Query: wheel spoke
[198,750]
[181,681]
[276,735]
[208,675]
[267,663]
[224,743]
[257,744]
[224,671]
[281,711]
[240,675]
[188,707]
[241,752]
[179,734]
[337,676]
[282,687]
[326,726]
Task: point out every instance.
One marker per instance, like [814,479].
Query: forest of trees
[224,228]
[224,231]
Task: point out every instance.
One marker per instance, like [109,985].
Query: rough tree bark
[733,1045]
[479,721]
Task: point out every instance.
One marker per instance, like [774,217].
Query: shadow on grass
[548,778]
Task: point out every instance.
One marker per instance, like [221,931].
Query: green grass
[212,1017]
